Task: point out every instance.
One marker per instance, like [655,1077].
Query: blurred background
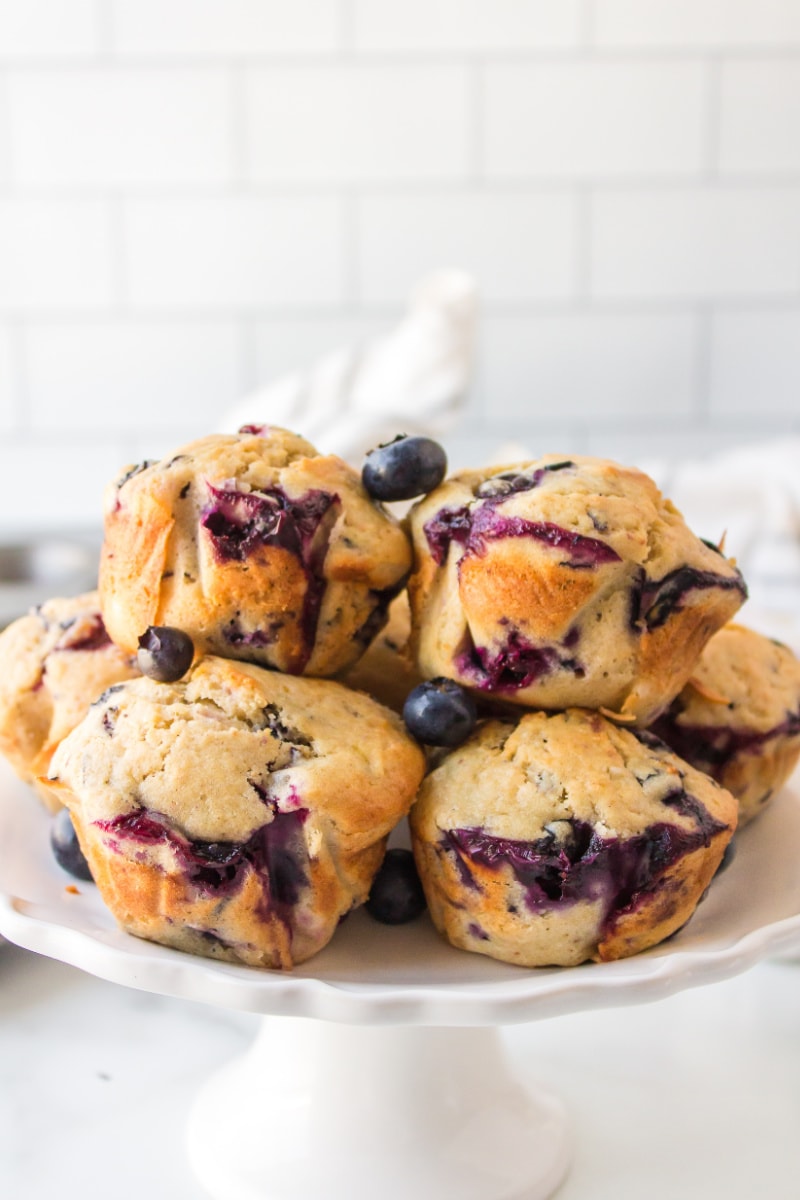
[199,195]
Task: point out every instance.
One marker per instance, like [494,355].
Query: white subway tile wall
[47,29]
[357,122]
[199,195]
[520,245]
[706,242]
[109,127]
[759,95]
[593,119]
[7,389]
[624,362]
[119,372]
[755,365]
[56,253]
[230,28]
[466,25]
[228,252]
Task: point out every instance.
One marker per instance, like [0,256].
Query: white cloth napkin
[413,380]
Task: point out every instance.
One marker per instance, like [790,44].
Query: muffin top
[564,582]
[266,486]
[579,512]
[548,773]
[217,755]
[257,546]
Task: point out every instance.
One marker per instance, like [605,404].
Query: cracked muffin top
[216,753]
[256,546]
[564,582]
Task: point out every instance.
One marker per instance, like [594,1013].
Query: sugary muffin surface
[54,662]
[239,813]
[564,582]
[256,546]
[738,717]
[561,838]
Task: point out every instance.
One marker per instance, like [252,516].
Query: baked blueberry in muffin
[562,837]
[54,662]
[238,813]
[564,582]
[254,545]
[738,717]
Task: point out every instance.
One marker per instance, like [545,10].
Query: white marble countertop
[696,1096]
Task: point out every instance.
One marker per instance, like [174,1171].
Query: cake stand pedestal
[348,1112]
[379,1068]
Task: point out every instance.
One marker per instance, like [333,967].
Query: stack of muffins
[241,808]
[571,588]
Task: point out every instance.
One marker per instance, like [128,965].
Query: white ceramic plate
[374,974]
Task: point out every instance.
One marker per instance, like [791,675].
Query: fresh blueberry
[439,712]
[65,847]
[396,896]
[165,654]
[404,468]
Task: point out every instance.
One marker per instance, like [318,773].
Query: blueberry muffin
[53,663]
[738,717]
[562,838]
[256,546]
[239,813]
[564,582]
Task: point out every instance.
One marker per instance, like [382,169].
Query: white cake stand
[378,1067]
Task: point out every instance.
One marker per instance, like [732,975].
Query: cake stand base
[345,1112]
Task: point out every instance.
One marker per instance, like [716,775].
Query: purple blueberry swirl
[240,523]
[556,872]
[474,526]
[711,748]
[653,601]
[276,853]
[516,663]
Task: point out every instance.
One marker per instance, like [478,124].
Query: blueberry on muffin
[254,545]
[564,582]
[54,662]
[738,717]
[239,813]
[563,838]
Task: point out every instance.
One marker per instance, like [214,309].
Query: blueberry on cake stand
[379,1066]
